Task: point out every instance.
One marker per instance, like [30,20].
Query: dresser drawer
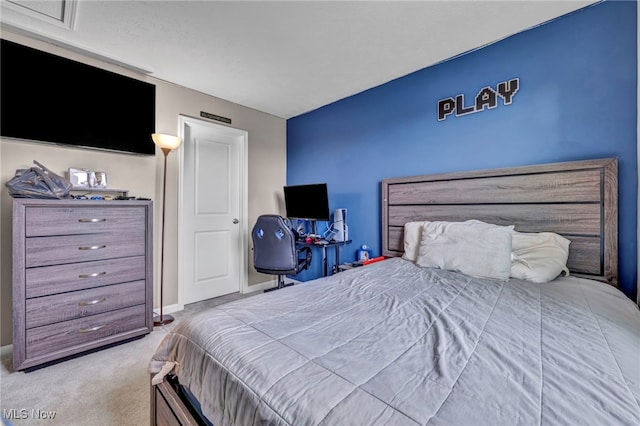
[47,221]
[60,336]
[48,280]
[43,251]
[67,306]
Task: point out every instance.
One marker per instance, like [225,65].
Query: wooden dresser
[82,276]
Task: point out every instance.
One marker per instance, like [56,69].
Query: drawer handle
[92,247]
[91,220]
[92,302]
[95,274]
[90,329]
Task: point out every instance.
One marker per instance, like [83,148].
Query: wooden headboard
[578,200]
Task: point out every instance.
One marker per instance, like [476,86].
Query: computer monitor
[308,202]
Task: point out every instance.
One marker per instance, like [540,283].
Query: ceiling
[284,58]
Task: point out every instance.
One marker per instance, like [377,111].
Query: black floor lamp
[166,143]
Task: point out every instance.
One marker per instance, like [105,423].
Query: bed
[398,343]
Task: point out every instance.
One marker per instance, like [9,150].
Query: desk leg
[324,260]
[335,267]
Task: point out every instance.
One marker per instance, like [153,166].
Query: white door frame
[244,215]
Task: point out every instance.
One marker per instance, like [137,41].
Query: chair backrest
[274,246]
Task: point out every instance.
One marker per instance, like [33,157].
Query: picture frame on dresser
[82,276]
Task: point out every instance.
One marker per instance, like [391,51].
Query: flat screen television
[48,98]
[309,202]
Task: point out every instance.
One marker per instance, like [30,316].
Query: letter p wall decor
[487,97]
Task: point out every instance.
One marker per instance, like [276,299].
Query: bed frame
[578,200]
[575,199]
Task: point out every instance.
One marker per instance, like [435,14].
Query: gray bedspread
[395,344]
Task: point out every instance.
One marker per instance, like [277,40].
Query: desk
[323,244]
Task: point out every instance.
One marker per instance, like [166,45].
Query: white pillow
[412,235]
[474,248]
[539,257]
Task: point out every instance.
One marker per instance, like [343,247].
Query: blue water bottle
[364,253]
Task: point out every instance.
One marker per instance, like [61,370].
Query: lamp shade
[166,141]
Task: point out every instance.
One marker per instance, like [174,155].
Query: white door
[212,211]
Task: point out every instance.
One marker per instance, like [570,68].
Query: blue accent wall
[577,100]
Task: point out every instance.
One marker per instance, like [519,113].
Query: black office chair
[275,251]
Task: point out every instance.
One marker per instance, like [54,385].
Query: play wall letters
[487,97]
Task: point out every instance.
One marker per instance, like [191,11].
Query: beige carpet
[108,387]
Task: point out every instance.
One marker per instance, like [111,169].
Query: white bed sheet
[392,344]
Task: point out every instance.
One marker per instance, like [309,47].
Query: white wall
[142,175]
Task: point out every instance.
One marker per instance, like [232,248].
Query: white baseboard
[5,350]
[167,309]
[267,284]
[260,286]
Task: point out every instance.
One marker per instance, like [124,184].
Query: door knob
[235,221]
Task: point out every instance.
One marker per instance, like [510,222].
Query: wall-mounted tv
[48,98]
[309,202]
